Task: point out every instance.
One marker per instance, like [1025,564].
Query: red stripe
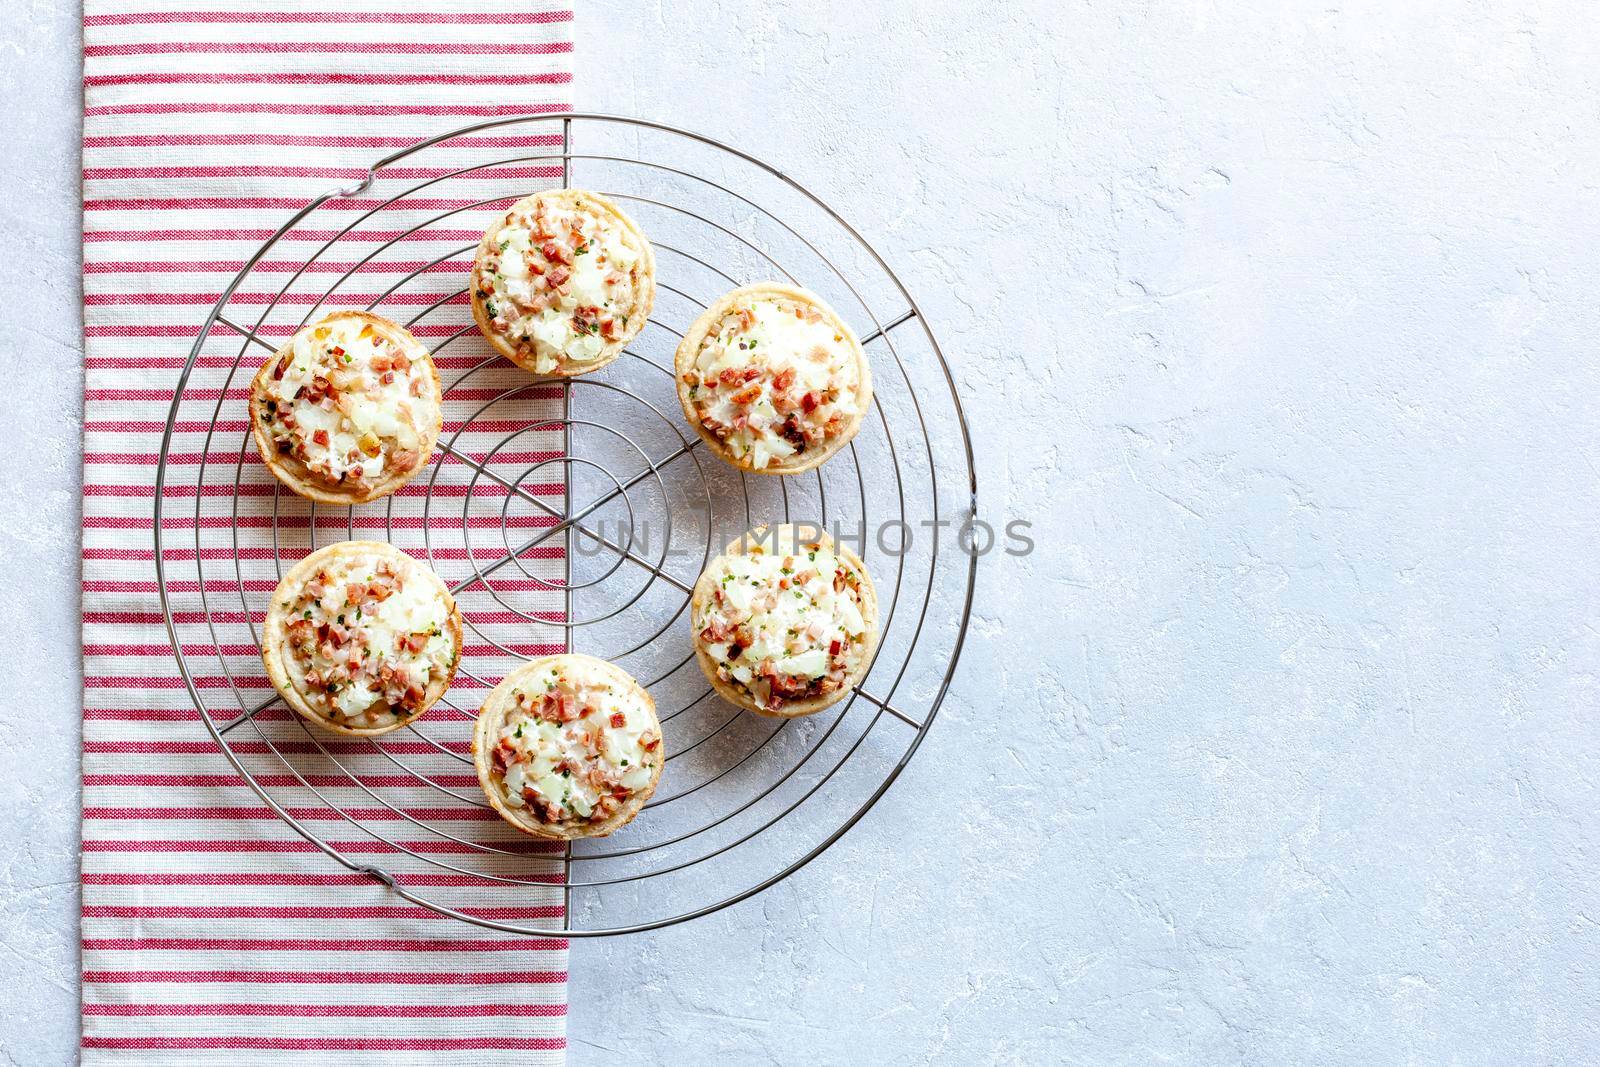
[463,18]
[329,1044]
[307,911]
[340,945]
[259,748]
[280,781]
[165,395]
[245,552]
[272,714]
[461,814]
[188,492]
[131,426]
[257,236]
[195,649]
[185,459]
[219,682]
[323,78]
[263,585]
[279,878]
[300,140]
[336,1011]
[188,333]
[355,977]
[279,203]
[274,266]
[192,618]
[365,847]
[465,48]
[443,362]
[482,110]
[261,299]
[486,173]
[117,649]
[324,522]
[284,203]
[128,426]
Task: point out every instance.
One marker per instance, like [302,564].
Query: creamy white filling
[607,257]
[370,420]
[543,749]
[415,608]
[790,611]
[776,340]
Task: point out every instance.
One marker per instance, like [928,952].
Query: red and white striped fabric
[210,927]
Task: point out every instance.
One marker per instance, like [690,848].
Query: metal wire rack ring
[744,804]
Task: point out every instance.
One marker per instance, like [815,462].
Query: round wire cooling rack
[567,515]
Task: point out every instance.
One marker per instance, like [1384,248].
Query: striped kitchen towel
[211,928]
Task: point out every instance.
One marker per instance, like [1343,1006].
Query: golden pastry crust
[594,698]
[419,412]
[781,541]
[849,406]
[613,325]
[331,574]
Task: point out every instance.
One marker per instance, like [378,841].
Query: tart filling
[352,404]
[786,622]
[368,636]
[775,379]
[561,282]
[573,747]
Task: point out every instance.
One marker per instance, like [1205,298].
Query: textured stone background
[1278,321]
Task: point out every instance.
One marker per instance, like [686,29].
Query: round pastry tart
[568,746]
[348,410]
[773,379]
[360,638]
[563,282]
[785,623]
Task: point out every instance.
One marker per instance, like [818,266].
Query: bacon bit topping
[566,751]
[564,278]
[349,372]
[773,381]
[787,624]
[349,670]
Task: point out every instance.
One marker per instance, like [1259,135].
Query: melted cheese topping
[561,283]
[784,620]
[367,638]
[348,403]
[774,379]
[576,745]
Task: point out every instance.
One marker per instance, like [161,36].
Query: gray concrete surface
[41,420]
[1278,321]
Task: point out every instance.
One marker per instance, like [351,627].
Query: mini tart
[348,410]
[568,746]
[563,282]
[784,624]
[360,638]
[773,379]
